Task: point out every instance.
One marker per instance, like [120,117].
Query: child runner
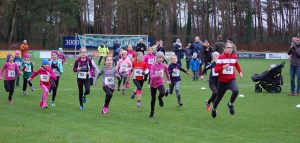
[131,53]
[58,70]
[18,60]
[83,66]
[195,65]
[139,70]
[174,71]
[27,68]
[93,72]
[61,56]
[213,79]
[108,73]
[149,59]
[46,75]
[11,69]
[224,67]
[124,67]
[157,81]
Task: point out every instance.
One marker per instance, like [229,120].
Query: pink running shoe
[41,104]
[104,110]
[44,105]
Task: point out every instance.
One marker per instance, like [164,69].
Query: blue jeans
[295,70]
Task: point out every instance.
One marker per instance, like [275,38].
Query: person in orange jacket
[24,48]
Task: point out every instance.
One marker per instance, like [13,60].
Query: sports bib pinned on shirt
[150,61]
[138,72]
[130,56]
[176,73]
[27,69]
[213,72]
[123,66]
[160,72]
[45,78]
[109,80]
[11,73]
[228,70]
[82,75]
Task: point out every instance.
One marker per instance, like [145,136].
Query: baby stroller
[270,80]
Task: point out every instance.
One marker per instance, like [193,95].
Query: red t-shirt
[138,69]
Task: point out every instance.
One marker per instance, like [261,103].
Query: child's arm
[2,70]
[167,74]
[33,75]
[17,69]
[52,74]
[60,67]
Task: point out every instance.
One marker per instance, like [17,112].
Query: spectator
[116,52]
[141,47]
[188,55]
[207,53]
[177,48]
[197,47]
[294,53]
[24,48]
[219,45]
[160,48]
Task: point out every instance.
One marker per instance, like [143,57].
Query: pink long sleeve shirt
[156,74]
[149,59]
[45,79]
[124,66]
[11,70]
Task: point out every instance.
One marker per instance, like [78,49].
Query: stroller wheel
[258,89]
[277,89]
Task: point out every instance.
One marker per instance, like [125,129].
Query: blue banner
[71,42]
[93,41]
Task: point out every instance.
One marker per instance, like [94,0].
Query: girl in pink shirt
[46,75]
[149,59]
[131,53]
[11,69]
[124,67]
[157,81]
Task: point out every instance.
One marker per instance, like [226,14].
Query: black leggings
[214,89]
[161,90]
[9,86]
[187,65]
[109,93]
[17,80]
[86,84]
[146,77]
[124,79]
[54,89]
[25,83]
[138,83]
[222,87]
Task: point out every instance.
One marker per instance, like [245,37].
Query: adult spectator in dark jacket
[197,47]
[294,53]
[160,48]
[141,47]
[116,48]
[177,49]
[188,55]
[219,45]
[207,57]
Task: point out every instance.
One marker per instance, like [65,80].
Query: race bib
[82,75]
[109,80]
[11,73]
[130,56]
[160,72]
[213,72]
[138,72]
[228,70]
[150,61]
[176,73]
[27,69]
[45,78]
[123,66]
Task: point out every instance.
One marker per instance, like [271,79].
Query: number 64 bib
[228,70]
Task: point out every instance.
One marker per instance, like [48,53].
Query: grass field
[260,117]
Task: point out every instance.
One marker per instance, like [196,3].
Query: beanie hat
[45,62]
[8,57]
[160,54]
[27,55]
[17,52]
[54,52]
[60,49]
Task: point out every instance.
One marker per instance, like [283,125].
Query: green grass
[259,118]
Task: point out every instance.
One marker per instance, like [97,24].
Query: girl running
[46,75]
[11,70]
[27,68]
[83,66]
[225,68]
[139,70]
[157,81]
[149,59]
[131,53]
[124,67]
[58,70]
[174,71]
[213,79]
[108,73]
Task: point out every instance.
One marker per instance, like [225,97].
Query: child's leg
[177,84]
[24,84]
[162,92]
[11,84]
[45,95]
[171,87]
[6,85]
[221,91]
[124,82]
[120,81]
[109,93]
[153,98]
[17,80]
[55,88]
[214,90]
[87,89]
[80,91]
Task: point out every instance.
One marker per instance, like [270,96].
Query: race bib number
[130,56]
[161,73]
[109,80]
[150,61]
[27,69]
[124,66]
[82,75]
[213,72]
[138,72]
[228,70]
[176,73]
[45,78]
[11,73]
